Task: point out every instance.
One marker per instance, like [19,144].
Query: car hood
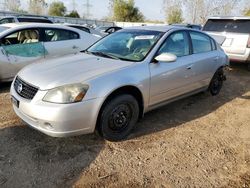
[69,69]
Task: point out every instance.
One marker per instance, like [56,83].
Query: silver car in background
[114,82]
[233,33]
[24,43]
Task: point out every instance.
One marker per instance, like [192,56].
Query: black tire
[118,117]
[216,82]
[248,66]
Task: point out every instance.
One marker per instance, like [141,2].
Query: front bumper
[58,120]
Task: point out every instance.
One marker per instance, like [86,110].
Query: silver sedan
[109,86]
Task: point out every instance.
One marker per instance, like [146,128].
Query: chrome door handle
[216,58]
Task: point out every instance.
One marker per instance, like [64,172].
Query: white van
[233,34]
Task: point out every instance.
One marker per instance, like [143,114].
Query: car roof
[153,28]
[23,25]
[31,17]
[230,17]
[31,24]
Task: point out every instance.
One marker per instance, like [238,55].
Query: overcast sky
[151,9]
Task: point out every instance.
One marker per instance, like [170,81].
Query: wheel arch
[127,89]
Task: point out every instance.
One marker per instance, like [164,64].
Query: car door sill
[154,106]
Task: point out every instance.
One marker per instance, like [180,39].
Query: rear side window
[60,35]
[34,20]
[201,43]
[227,25]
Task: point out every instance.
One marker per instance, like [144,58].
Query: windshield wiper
[102,54]
[108,55]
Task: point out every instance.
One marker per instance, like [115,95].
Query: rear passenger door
[205,58]
[58,42]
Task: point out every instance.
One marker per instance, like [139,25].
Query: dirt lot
[200,141]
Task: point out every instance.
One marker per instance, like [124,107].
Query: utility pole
[87,6]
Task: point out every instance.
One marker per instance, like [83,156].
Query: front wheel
[217,82]
[118,117]
[248,67]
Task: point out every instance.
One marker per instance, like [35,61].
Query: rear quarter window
[201,43]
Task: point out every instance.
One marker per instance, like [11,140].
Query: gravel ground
[200,141]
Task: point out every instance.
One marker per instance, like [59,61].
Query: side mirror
[166,57]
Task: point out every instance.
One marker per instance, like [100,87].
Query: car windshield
[2,28]
[228,25]
[130,45]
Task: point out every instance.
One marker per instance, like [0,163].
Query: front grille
[24,89]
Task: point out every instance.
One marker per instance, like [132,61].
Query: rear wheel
[118,117]
[217,82]
[248,66]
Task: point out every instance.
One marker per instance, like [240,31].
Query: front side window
[131,45]
[201,43]
[177,44]
[60,35]
[21,37]
[24,43]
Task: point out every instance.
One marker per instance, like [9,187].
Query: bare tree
[37,6]
[173,11]
[12,5]
[199,10]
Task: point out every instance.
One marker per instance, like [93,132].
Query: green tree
[247,12]
[174,16]
[57,9]
[73,14]
[125,11]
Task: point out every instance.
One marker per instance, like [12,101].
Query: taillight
[248,42]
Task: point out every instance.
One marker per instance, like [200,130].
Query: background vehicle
[17,19]
[86,29]
[106,30]
[191,26]
[233,33]
[22,44]
[117,80]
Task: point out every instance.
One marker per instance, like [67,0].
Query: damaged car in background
[25,43]
[109,86]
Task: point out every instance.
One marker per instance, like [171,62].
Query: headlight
[66,94]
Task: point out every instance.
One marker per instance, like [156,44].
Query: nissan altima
[109,86]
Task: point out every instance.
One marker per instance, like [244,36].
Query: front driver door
[18,50]
[171,79]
